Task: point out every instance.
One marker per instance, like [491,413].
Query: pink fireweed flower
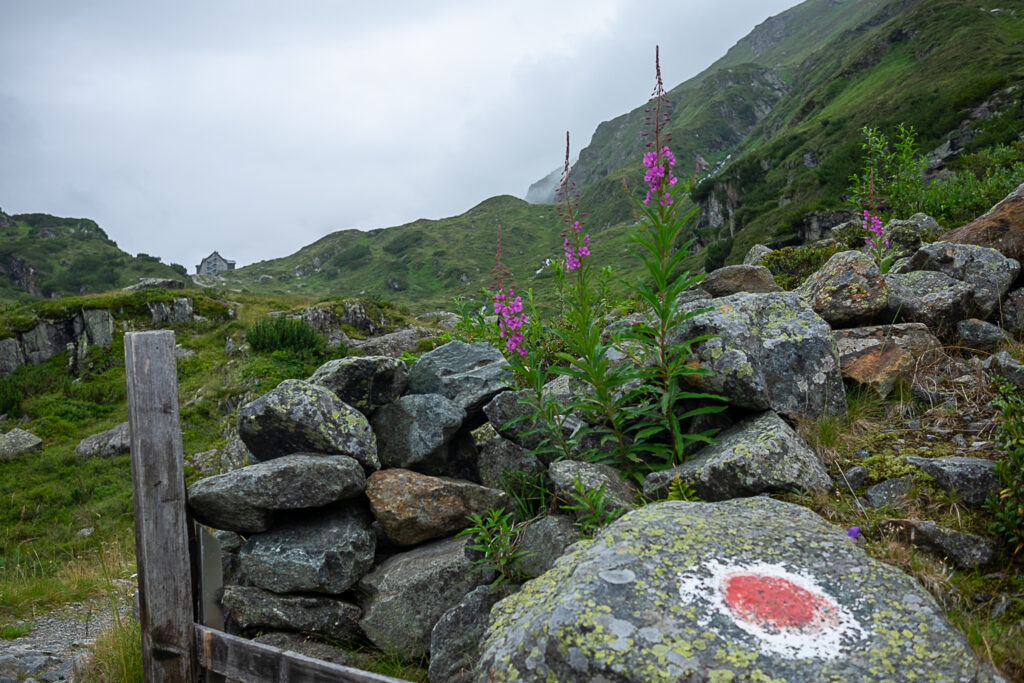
[509,309]
[659,175]
[873,224]
[575,249]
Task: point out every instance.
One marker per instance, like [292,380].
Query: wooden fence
[178,643]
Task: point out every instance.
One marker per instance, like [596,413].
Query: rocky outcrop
[721,591]
[16,442]
[46,339]
[847,291]
[114,441]
[300,417]
[759,455]
[767,352]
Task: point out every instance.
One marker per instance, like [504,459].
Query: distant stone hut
[213,264]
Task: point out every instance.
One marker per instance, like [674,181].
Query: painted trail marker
[786,613]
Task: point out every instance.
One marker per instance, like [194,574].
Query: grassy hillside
[48,256]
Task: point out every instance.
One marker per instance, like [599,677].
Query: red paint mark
[776,602]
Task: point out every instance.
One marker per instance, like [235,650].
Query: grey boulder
[253,608]
[468,374]
[413,432]
[766,352]
[406,595]
[751,589]
[321,552]
[762,454]
[363,382]
[245,500]
[114,441]
[299,417]
[972,480]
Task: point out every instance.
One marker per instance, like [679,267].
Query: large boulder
[16,442]
[972,480]
[741,278]
[413,432]
[1002,227]
[750,589]
[406,595]
[252,608]
[114,441]
[468,374]
[363,382]
[762,454]
[766,352]
[929,297]
[988,273]
[455,638]
[299,417]
[245,500]
[879,356]
[320,552]
[412,507]
[848,290]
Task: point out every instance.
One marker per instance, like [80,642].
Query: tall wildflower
[659,160]
[877,241]
[507,306]
[661,355]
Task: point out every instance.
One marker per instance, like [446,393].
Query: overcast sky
[256,127]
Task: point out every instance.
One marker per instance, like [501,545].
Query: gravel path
[57,642]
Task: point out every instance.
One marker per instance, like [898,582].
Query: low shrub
[285,334]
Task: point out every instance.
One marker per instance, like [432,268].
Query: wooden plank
[166,609]
[254,662]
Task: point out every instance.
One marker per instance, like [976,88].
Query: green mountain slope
[47,256]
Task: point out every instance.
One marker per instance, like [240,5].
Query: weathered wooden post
[161,536]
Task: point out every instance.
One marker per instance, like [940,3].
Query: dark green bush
[285,334]
[716,254]
[792,265]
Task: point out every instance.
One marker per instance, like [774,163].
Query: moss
[792,265]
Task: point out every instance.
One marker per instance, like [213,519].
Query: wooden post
[158,482]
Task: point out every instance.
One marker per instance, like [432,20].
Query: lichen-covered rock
[985,270]
[767,352]
[972,480]
[908,235]
[413,432]
[320,552]
[1007,367]
[363,382]
[16,442]
[155,283]
[498,458]
[967,550]
[455,638]
[245,500]
[114,441]
[412,507]
[618,493]
[878,356]
[406,595]
[395,343]
[544,540]
[755,256]
[1011,316]
[929,297]
[751,589]
[762,454]
[468,374]
[253,608]
[848,290]
[741,278]
[299,417]
[889,492]
[978,335]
